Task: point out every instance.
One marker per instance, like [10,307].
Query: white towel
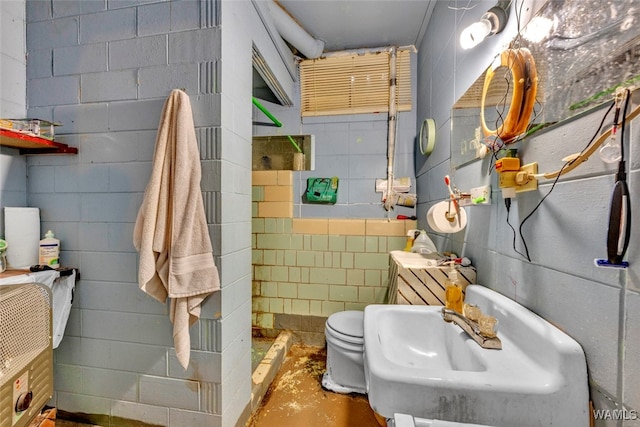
[171,233]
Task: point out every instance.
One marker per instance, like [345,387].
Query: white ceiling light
[492,22]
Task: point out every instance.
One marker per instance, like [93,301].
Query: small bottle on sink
[453,291]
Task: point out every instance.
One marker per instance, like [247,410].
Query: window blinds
[353,84]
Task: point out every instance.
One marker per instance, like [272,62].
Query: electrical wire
[507,203]
[518,13]
[624,121]
[553,185]
[503,103]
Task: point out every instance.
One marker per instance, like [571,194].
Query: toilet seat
[347,326]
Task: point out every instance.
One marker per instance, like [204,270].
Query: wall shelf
[29,144]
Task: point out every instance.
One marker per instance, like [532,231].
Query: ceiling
[356,24]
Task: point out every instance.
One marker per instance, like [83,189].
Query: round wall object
[524,78]
[427,138]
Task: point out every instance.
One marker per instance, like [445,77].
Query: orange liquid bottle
[453,292]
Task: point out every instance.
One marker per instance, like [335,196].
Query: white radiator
[26,353]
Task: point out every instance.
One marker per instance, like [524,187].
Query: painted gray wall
[13,168]
[354,148]
[597,307]
[104,70]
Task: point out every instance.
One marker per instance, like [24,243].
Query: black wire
[500,119]
[555,181]
[498,143]
[507,203]
[621,176]
[518,13]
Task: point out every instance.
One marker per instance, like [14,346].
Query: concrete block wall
[315,266]
[104,69]
[595,306]
[13,168]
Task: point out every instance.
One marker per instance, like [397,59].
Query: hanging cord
[622,173]
[518,12]
[498,143]
[507,203]
[553,185]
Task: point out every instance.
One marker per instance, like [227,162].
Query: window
[353,84]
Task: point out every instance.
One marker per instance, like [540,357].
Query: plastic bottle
[423,244]
[49,251]
[453,291]
[411,235]
[3,258]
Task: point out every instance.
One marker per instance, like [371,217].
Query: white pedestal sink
[418,364]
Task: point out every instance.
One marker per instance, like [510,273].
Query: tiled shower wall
[315,266]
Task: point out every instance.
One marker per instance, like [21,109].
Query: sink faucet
[472,328]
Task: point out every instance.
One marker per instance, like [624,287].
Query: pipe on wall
[389,201]
[292,32]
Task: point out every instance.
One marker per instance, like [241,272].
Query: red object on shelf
[29,144]
[412,217]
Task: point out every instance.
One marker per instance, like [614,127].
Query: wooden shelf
[29,144]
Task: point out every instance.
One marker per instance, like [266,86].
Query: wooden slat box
[413,280]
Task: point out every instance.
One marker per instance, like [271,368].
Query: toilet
[344,333]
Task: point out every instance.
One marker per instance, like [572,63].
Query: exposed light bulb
[611,152]
[475,33]
[492,22]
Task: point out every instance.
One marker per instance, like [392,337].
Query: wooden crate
[413,281]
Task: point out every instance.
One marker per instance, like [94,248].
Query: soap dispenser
[49,251]
[453,291]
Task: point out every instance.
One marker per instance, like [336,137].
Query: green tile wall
[315,275]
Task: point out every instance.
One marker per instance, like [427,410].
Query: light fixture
[492,22]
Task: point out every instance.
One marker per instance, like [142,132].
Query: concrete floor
[65,423]
[48,418]
[296,398]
